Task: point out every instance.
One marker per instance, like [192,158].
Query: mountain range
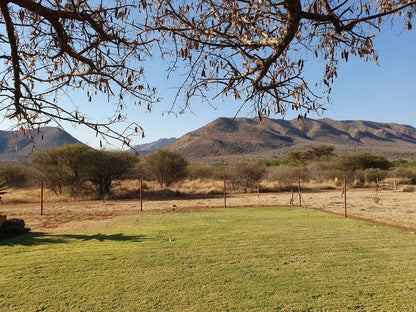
[15,147]
[245,139]
[153,146]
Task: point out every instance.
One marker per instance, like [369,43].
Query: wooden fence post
[225,194]
[141,194]
[41,197]
[345,197]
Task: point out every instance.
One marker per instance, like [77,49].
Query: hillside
[227,139]
[153,146]
[12,149]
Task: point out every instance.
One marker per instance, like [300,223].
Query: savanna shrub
[200,172]
[166,167]
[362,161]
[374,175]
[15,175]
[288,174]
[246,175]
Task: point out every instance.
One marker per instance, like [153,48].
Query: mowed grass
[236,259]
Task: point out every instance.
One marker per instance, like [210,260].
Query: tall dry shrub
[288,174]
[246,175]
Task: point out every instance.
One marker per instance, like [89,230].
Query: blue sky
[383,92]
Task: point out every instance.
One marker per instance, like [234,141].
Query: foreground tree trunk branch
[57,47]
[252,50]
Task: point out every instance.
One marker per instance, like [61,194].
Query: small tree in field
[375,175]
[75,158]
[247,174]
[50,167]
[106,166]
[166,167]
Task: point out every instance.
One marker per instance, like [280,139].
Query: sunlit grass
[248,259]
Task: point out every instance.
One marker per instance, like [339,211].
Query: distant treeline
[80,170]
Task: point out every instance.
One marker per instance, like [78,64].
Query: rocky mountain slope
[227,139]
[14,149]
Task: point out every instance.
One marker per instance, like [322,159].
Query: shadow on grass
[40,238]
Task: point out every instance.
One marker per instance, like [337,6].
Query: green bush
[15,175]
[362,161]
[106,166]
[220,171]
[316,153]
[166,167]
[375,175]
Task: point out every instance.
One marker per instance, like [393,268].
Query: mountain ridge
[16,147]
[153,146]
[245,139]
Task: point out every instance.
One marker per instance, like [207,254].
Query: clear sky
[383,92]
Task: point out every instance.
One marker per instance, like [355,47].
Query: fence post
[291,200]
[299,192]
[41,197]
[225,194]
[141,194]
[345,197]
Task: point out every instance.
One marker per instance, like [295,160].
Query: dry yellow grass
[31,195]
[392,207]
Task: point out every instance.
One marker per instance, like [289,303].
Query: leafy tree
[295,156]
[75,158]
[15,174]
[50,167]
[63,166]
[350,162]
[316,153]
[375,175]
[247,174]
[321,152]
[106,166]
[200,171]
[166,167]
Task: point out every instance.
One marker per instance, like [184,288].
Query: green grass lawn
[248,259]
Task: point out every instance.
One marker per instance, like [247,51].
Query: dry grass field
[395,208]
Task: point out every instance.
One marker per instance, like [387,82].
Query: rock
[13,226]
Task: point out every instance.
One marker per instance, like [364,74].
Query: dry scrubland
[396,208]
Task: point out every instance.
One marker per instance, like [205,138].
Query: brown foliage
[258,50]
